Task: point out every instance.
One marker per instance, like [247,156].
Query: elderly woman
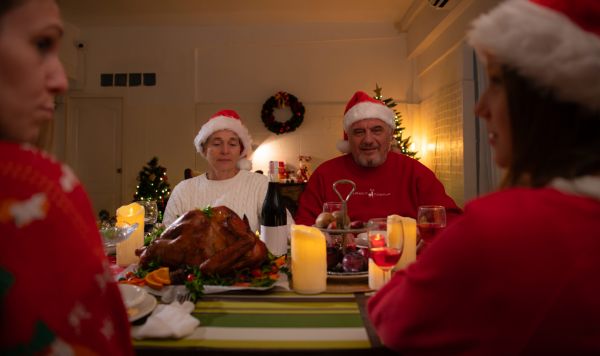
[518,272]
[57,295]
[225,143]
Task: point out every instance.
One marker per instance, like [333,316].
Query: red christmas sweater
[57,294]
[398,186]
[517,273]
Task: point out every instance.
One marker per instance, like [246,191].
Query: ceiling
[232,12]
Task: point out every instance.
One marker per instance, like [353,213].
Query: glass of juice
[431,219]
[384,250]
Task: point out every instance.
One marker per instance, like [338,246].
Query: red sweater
[56,290]
[398,186]
[517,273]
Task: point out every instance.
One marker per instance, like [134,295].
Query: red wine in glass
[385,257]
[427,231]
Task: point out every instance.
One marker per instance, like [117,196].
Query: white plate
[132,295]
[144,308]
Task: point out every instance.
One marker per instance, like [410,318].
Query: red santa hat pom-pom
[244,164]
[343,145]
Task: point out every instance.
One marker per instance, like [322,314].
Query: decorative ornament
[280,101]
[302,174]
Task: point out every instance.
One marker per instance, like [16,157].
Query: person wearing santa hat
[386,182]
[517,273]
[226,144]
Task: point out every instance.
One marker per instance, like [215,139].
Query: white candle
[395,234]
[130,214]
[375,275]
[309,260]
[394,231]
[409,253]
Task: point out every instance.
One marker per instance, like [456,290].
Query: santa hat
[555,43]
[227,120]
[361,106]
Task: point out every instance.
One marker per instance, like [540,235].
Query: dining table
[277,322]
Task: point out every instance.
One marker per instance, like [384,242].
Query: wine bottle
[273,222]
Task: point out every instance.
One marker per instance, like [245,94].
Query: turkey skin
[215,239]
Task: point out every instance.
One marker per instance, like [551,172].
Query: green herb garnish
[154,234]
[208,211]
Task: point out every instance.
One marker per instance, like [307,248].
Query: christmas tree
[153,185]
[402,144]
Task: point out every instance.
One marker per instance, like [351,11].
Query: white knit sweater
[243,194]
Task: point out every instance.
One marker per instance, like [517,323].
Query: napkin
[169,320]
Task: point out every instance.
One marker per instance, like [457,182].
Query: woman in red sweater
[518,272]
[57,295]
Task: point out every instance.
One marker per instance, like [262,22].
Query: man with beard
[386,182]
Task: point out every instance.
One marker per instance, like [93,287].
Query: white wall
[203,69]
[444,88]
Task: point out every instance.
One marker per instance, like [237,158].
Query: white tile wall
[443,113]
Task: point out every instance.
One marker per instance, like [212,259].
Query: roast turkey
[216,239]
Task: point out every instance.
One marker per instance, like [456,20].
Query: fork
[185,297]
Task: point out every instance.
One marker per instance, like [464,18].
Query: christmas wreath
[279,101]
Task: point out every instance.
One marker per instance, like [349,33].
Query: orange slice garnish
[162,275]
[152,281]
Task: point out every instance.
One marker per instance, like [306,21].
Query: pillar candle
[130,214]
[409,254]
[309,260]
[375,275]
[395,232]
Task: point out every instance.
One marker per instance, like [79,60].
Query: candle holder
[346,255]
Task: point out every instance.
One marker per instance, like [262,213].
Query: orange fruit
[162,275]
[152,282]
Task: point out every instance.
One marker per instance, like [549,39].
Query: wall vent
[127,79]
[438,4]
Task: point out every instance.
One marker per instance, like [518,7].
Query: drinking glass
[331,206]
[385,246]
[150,213]
[431,219]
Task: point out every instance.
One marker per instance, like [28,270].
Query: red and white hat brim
[369,110]
[544,46]
[226,123]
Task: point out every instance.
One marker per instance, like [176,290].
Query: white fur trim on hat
[343,146]
[221,122]
[244,164]
[544,46]
[369,110]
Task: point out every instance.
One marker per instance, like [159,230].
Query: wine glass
[383,250]
[150,213]
[431,219]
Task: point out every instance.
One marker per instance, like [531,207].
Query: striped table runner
[277,320]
